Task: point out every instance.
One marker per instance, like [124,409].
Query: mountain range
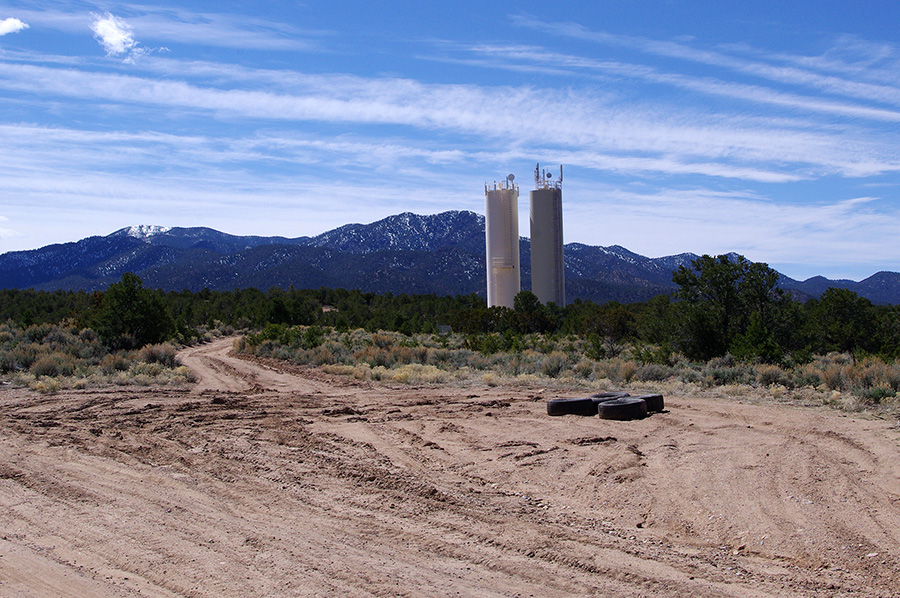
[405,253]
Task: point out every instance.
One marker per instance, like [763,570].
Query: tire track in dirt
[273,479]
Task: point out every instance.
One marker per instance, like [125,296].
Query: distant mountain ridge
[405,253]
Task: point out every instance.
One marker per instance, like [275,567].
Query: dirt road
[266,481]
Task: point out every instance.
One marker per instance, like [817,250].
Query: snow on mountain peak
[142,231]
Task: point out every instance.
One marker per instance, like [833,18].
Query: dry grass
[833,380]
[49,358]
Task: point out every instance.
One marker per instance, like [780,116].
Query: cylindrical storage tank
[547,266]
[502,243]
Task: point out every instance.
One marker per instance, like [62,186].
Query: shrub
[874,395]
[163,354]
[415,373]
[313,337]
[114,362]
[45,366]
[46,385]
[37,332]
[185,374]
[661,355]
[380,373]
[618,370]
[144,369]
[439,356]
[511,366]
[401,355]
[486,344]
[268,348]
[722,371]
[586,368]
[374,356]
[554,364]
[808,375]
[690,376]
[892,376]
[725,361]
[767,375]
[59,339]
[653,372]
[382,340]
[8,362]
[833,376]
[24,354]
[478,361]
[52,365]
[327,353]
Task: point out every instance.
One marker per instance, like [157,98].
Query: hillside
[405,253]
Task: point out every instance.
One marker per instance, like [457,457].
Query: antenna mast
[542,178]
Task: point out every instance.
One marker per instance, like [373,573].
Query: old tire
[585,406]
[623,408]
[601,397]
[655,403]
[614,394]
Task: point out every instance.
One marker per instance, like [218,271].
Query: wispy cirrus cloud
[31,148]
[827,73]
[289,204]
[575,119]
[12,25]
[28,147]
[104,172]
[671,144]
[181,26]
[700,220]
[540,60]
[8,233]
[224,30]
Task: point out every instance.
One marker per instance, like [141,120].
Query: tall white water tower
[548,279]
[501,237]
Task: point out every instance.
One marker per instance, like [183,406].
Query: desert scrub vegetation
[49,357]
[727,328]
[834,379]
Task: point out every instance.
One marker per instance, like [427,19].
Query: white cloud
[732,146]
[12,25]
[841,238]
[535,59]
[8,233]
[114,34]
[876,62]
[244,149]
[222,30]
[187,27]
[117,38]
[51,171]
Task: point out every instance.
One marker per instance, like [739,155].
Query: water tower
[501,224]
[548,279]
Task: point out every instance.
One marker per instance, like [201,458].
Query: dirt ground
[264,481]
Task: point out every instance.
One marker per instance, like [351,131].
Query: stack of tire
[608,405]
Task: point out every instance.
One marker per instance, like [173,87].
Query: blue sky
[765,128]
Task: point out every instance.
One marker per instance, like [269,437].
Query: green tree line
[721,306]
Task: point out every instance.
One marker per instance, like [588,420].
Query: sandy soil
[263,481]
